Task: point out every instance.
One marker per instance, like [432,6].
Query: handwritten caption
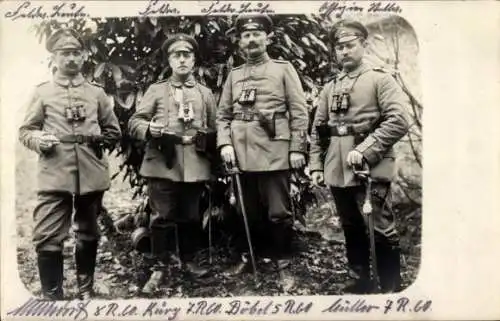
[83,310]
[29,10]
[339,8]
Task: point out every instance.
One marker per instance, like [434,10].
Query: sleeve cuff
[368,152]
[298,142]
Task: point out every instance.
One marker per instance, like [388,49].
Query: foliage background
[125,58]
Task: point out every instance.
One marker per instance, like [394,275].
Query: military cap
[180,42]
[247,22]
[348,30]
[64,39]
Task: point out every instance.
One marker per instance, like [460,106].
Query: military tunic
[70,168]
[374,122]
[159,104]
[378,117]
[278,91]
[174,193]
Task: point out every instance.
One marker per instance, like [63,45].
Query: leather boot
[158,260]
[243,265]
[190,242]
[282,239]
[50,270]
[389,267]
[359,281]
[85,259]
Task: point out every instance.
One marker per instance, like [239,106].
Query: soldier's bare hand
[354,158]
[228,156]
[297,160]
[317,178]
[155,129]
[47,142]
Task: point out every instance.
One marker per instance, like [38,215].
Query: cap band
[180,46]
[67,42]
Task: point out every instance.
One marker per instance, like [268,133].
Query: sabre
[236,174]
[209,224]
[368,213]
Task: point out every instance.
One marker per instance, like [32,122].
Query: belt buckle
[342,130]
[186,140]
[79,139]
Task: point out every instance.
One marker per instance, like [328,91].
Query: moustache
[71,65]
[252,46]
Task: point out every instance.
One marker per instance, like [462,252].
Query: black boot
[282,239]
[389,267]
[190,241]
[50,269]
[358,258]
[85,258]
[158,260]
[242,265]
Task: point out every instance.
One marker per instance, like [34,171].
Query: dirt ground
[319,268]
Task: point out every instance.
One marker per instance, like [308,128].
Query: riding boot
[85,259]
[50,269]
[358,258]
[389,266]
[282,239]
[190,241]
[158,259]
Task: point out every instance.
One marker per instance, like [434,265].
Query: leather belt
[254,116]
[76,139]
[348,130]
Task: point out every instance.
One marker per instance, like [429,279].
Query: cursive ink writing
[27,10]
[333,7]
[203,308]
[114,310]
[161,308]
[237,307]
[403,304]
[41,308]
[157,7]
[246,7]
[384,7]
[359,306]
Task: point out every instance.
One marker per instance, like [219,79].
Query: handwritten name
[246,7]
[63,10]
[157,7]
[161,308]
[338,8]
[358,306]
[390,7]
[76,310]
[237,307]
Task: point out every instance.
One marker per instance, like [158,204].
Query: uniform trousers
[349,202]
[268,207]
[175,203]
[53,219]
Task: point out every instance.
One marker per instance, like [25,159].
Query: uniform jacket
[278,90]
[378,107]
[159,103]
[69,167]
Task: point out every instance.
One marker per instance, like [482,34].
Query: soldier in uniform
[262,125]
[364,112]
[68,123]
[173,117]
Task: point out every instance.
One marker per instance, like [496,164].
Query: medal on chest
[185,109]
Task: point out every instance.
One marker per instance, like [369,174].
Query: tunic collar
[67,81]
[177,83]
[363,67]
[259,60]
